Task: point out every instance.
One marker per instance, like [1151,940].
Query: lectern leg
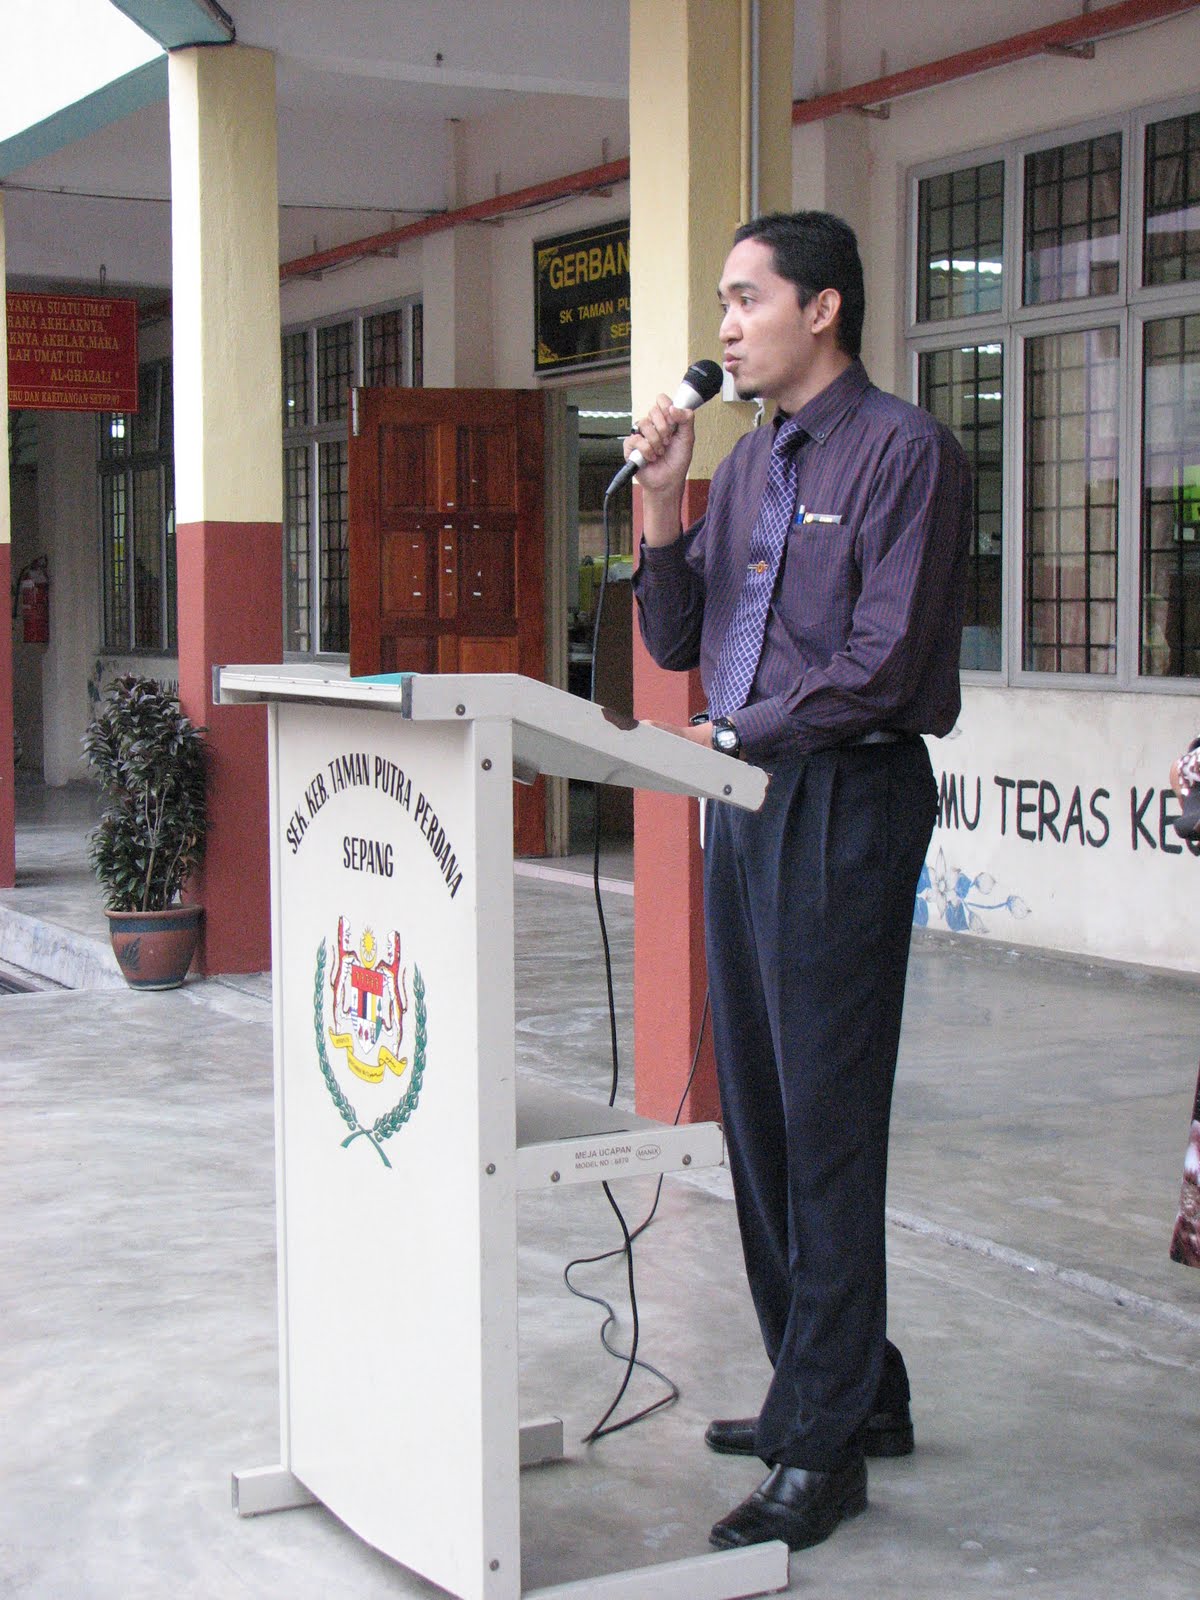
[541,1441]
[724,1575]
[268,1489]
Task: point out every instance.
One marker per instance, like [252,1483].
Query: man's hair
[816,250]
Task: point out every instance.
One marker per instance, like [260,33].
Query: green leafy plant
[151,762]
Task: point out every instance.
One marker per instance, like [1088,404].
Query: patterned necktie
[742,645]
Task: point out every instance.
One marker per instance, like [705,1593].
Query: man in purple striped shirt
[821,595]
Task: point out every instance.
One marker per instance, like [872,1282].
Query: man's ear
[823,310]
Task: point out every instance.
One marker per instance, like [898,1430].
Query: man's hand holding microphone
[660,451]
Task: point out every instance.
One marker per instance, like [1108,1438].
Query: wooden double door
[447,542]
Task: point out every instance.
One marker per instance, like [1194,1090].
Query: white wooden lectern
[401,1133]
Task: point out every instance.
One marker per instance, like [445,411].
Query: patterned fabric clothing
[863,628]
[743,642]
[1185,1241]
[1189,767]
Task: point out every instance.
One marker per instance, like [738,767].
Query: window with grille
[1055,328]
[1170,510]
[1072,243]
[322,363]
[1171,245]
[1071,388]
[964,388]
[960,243]
[137,519]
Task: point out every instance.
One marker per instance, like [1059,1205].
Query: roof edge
[175,24]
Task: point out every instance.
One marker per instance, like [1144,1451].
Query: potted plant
[151,763]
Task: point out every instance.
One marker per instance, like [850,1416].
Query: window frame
[1057,139]
[1129,309]
[313,434]
[128,466]
[981,336]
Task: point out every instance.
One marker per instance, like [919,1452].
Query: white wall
[1055,824]
[73,234]
[871,39]
[365,283]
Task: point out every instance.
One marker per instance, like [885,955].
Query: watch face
[725,738]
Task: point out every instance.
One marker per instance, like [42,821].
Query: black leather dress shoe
[795,1505]
[887,1433]
[731,1436]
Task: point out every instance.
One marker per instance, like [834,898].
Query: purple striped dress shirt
[865,623]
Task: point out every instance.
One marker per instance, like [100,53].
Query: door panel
[487,468]
[408,563]
[486,573]
[409,655]
[447,542]
[486,655]
[407,471]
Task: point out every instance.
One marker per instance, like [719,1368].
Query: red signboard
[72,353]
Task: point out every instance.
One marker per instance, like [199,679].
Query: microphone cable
[632,1360]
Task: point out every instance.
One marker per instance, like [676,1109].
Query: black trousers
[808,917]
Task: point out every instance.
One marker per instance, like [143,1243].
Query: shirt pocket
[821,581]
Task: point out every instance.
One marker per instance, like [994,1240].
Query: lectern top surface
[554,733]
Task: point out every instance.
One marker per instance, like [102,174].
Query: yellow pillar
[8,818]
[228,457]
[693,133]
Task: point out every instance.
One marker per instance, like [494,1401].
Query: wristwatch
[725,737]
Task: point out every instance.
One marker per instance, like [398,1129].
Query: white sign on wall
[1055,825]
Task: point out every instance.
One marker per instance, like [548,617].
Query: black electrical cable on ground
[632,1359]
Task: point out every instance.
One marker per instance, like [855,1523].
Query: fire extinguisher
[33,593]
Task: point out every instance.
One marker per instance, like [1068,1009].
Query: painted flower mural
[957,899]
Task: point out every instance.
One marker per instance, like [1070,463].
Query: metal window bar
[169,559]
[1169,626]
[1171,191]
[335,370]
[964,388]
[383,350]
[137,510]
[333,496]
[961,288]
[297,406]
[1051,177]
[297,536]
[417,346]
[1070,578]
[114,514]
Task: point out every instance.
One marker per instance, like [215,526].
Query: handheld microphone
[701,381]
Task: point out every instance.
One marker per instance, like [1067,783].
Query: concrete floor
[1041,1116]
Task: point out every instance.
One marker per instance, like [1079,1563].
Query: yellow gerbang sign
[581,298]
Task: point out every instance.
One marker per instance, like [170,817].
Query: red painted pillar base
[669,975]
[230,582]
[8,797]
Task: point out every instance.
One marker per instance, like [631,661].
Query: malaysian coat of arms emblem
[370,998]
[368,1001]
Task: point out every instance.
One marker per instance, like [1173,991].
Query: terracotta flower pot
[154,949]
